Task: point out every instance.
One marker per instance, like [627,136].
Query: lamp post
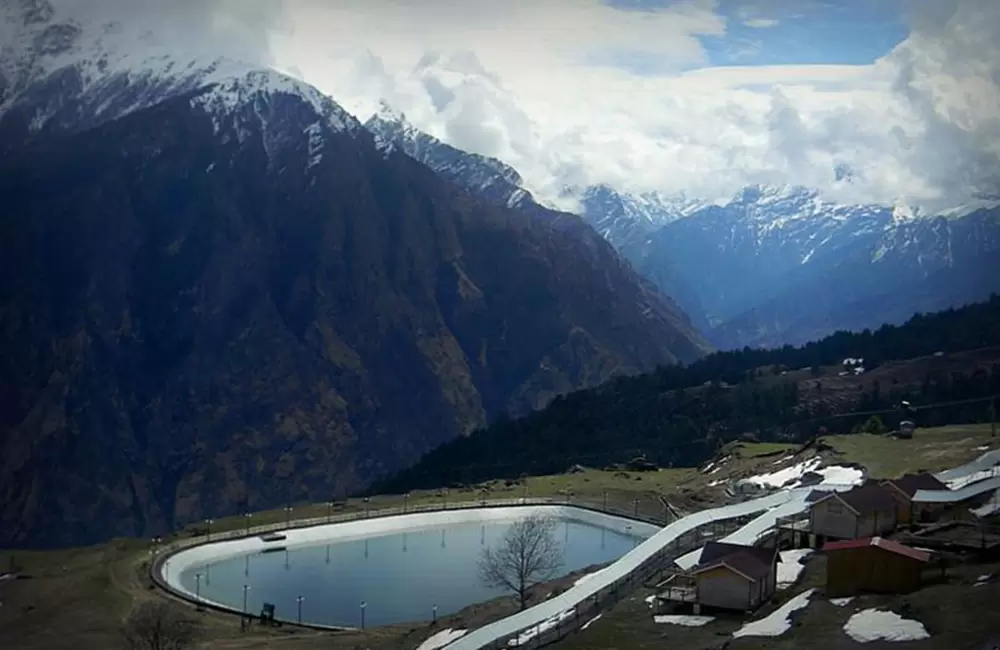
[299,601]
[197,588]
[406,501]
[288,516]
[247,516]
[366,507]
[444,498]
[246,589]
[635,508]
[329,511]
[434,613]
[363,606]
[208,530]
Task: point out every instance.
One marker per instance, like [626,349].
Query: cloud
[761,23]
[577,92]
[560,91]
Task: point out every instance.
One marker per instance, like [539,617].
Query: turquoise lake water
[399,577]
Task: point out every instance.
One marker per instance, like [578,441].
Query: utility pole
[993,417]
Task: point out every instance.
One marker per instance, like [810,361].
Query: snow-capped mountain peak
[481,174]
[59,73]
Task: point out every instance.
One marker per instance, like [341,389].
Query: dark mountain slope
[200,314]
[681,415]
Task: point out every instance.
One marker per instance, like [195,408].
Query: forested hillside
[679,415]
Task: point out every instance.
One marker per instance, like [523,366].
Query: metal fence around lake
[534,636]
[161,552]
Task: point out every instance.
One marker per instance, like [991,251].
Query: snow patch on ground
[590,622]
[584,578]
[877,625]
[781,460]
[841,602]
[779,621]
[525,637]
[791,565]
[685,620]
[791,476]
[651,601]
[441,639]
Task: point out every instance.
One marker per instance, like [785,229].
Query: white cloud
[574,92]
[761,23]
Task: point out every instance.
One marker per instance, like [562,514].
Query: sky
[694,97]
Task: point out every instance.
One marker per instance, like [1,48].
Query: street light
[288,516]
[635,508]
[197,589]
[208,530]
[366,507]
[247,516]
[299,601]
[363,606]
[406,500]
[434,615]
[329,511]
[246,588]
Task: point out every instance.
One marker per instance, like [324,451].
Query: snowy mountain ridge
[479,174]
[59,74]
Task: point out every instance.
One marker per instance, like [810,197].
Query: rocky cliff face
[227,296]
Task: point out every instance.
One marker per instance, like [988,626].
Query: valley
[78,597]
[722,335]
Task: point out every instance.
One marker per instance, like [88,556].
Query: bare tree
[527,555]
[155,625]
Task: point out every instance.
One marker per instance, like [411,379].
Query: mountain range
[220,292]
[774,265]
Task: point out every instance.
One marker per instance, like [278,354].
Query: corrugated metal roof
[879,542]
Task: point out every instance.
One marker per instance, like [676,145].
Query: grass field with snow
[75,599]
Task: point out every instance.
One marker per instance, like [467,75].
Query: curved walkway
[496,634]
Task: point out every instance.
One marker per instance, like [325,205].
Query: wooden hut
[874,565]
[732,576]
[861,512]
[902,490]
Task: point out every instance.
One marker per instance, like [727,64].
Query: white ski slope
[955,496]
[777,504]
[985,462]
[748,534]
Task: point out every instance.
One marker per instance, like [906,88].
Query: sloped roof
[910,483]
[882,543]
[714,551]
[753,562]
[865,499]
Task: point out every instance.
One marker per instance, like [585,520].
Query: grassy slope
[77,598]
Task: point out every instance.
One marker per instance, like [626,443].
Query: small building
[906,429]
[732,576]
[903,488]
[864,511]
[873,564]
